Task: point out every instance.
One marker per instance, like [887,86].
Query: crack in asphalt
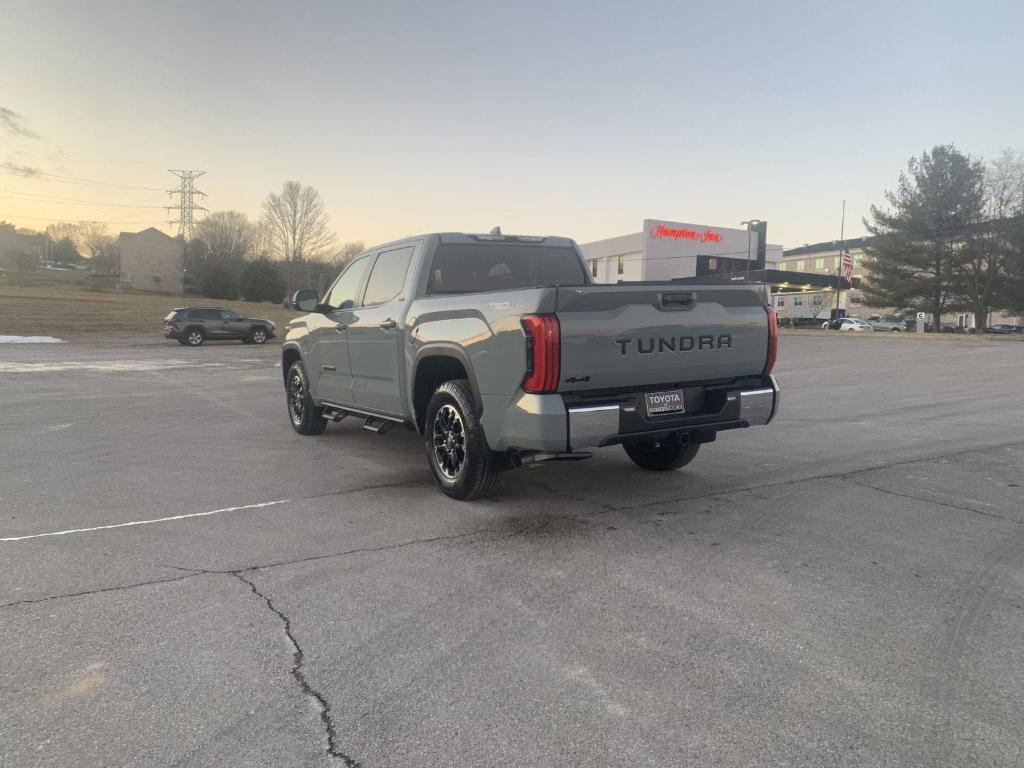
[930,501]
[298,657]
[100,590]
[192,572]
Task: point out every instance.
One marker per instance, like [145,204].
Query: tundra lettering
[685,344]
[496,350]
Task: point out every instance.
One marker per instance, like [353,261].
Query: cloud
[20,170]
[13,123]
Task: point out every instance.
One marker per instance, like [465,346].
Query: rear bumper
[597,425]
[559,424]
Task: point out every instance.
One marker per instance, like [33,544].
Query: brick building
[152,261]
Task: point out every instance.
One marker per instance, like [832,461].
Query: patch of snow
[30,340]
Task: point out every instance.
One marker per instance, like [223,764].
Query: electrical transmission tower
[185,207]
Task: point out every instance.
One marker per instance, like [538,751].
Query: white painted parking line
[108,366]
[147,522]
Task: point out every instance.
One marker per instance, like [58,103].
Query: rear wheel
[456,449]
[194,337]
[661,455]
[305,417]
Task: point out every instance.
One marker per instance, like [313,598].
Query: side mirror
[305,300]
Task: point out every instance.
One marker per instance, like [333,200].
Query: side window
[227,314]
[204,314]
[593,267]
[345,287]
[620,266]
[387,276]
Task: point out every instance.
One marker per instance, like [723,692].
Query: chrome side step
[334,414]
[376,425]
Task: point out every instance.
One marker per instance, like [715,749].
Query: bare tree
[94,236]
[349,251]
[62,230]
[228,234]
[298,227]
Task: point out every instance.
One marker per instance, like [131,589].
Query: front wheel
[305,417]
[661,455]
[258,335]
[456,449]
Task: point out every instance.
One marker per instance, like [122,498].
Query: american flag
[847,267]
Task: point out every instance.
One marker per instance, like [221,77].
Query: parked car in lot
[502,352]
[887,323]
[192,326]
[1004,329]
[846,324]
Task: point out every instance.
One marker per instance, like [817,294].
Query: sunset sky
[573,118]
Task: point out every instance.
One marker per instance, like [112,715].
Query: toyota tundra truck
[502,352]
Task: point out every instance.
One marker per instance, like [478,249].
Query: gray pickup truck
[502,352]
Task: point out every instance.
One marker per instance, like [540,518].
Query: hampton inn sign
[659,231]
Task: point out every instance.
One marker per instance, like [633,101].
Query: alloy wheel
[449,438]
[296,397]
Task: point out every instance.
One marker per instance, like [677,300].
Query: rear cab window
[480,267]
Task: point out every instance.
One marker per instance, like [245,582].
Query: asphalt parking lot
[843,587]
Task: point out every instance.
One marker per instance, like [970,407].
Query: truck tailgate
[617,336]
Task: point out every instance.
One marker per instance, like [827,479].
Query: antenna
[185,206]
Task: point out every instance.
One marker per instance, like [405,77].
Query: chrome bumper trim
[589,427]
[758,406]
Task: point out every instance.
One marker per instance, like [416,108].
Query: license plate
[661,403]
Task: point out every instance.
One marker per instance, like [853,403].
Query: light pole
[748,225]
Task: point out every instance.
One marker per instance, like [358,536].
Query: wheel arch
[433,365]
[289,355]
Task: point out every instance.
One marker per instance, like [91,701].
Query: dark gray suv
[192,326]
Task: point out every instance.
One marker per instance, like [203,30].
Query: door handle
[678,299]
[340,327]
[387,325]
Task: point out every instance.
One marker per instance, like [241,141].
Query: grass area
[67,311]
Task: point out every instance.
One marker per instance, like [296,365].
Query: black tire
[246,340]
[895,330]
[456,449]
[181,340]
[258,335]
[661,455]
[305,417]
[194,337]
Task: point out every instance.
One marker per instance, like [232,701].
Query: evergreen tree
[917,256]
[261,281]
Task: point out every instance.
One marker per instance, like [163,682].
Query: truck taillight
[542,353]
[773,340]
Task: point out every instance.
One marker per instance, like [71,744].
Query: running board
[377,426]
[334,414]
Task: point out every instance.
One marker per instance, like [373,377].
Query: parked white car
[846,324]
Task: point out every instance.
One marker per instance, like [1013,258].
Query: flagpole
[839,264]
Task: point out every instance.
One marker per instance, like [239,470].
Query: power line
[43,176]
[186,207]
[9,216]
[52,199]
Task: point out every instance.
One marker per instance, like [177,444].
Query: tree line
[291,245]
[951,237]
